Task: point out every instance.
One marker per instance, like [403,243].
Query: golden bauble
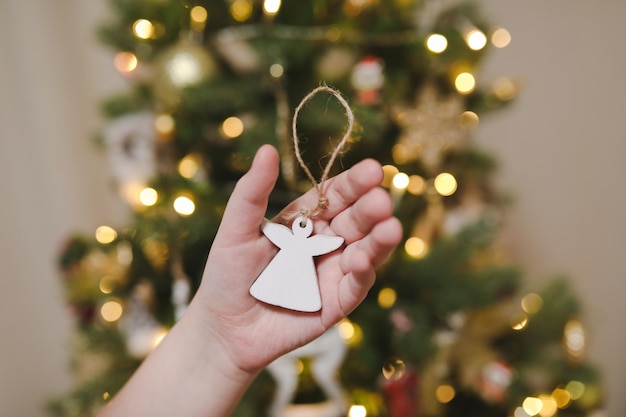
[183,65]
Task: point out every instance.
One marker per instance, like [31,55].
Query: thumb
[248,203]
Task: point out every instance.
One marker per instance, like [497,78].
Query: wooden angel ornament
[290,279]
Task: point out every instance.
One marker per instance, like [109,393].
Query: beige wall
[561,147]
[52,182]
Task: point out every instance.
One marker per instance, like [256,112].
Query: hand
[226,337]
[254,333]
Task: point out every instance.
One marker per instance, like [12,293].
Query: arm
[226,337]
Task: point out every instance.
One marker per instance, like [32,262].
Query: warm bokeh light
[400,181]
[389,171]
[271,7]
[148,196]
[436,43]
[445,393]
[184,68]
[400,154]
[346,329]
[548,406]
[465,83]
[562,397]
[519,412]
[130,192]
[500,38]
[350,332]
[519,323]
[504,89]
[394,369]
[468,120]
[574,338]
[198,14]
[576,389]
[445,184]
[387,298]
[125,62]
[277,70]
[532,405]
[299,367]
[232,127]
[164,124]
[417,185]
[357,411]
[532,303]
[188,166]
[106,284]
[105,234]
[476,39]
[415,247]
[241,10]
[111,311]
[158,337]
[184,205]
[143,29]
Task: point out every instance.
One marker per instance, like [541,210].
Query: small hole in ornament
[302,223]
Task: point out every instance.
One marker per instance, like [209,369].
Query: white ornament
[327,353]
[131,142]
[290,279]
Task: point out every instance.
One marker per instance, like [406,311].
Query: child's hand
[253,333]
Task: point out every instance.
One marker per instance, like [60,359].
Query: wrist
[211,349]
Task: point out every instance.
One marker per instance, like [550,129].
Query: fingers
[342,190]
[247,204]
[358,263]
[357,220]
[376,246]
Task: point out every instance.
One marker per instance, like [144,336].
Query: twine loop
[322,200]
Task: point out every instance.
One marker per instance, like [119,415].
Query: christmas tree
[447,329]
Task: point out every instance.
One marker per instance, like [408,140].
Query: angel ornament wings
[290,279]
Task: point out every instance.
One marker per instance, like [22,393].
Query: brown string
[322,202]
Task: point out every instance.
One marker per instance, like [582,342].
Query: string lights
[271,7]
[105,234]
[548,405]
[184,205]
[232,127]
[189,166]
[111,311]
[148,196]
[241,10]
[436,43]
[143,29]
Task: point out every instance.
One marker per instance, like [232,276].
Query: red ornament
[367,79]
[401,395]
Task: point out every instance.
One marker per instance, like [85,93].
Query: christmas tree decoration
[448,329]
[131,147]
[367,79]
[182,65]
[432,127]
[290,280]
[326,354]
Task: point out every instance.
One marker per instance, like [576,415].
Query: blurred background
[561,147]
